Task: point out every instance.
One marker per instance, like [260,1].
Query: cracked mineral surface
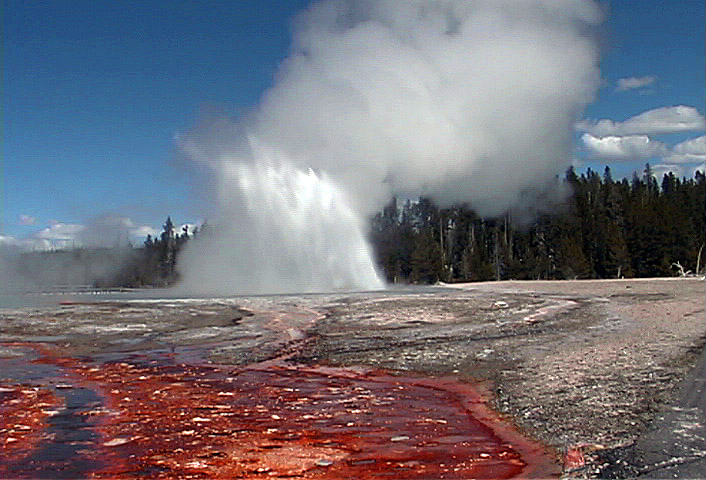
[126,386]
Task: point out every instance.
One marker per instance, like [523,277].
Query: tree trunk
[698,259]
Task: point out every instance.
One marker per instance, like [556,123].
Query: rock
[116,441]
[574,459]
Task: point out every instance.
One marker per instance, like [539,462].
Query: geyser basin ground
[583,367]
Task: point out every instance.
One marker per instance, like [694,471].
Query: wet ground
[420,383]
[147,415]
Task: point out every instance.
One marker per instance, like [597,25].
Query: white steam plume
[463,101]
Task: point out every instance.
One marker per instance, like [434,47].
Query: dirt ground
[585,367]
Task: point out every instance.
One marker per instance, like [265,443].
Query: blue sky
[662,40]
[94,93]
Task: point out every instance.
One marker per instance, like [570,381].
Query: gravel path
[675,444]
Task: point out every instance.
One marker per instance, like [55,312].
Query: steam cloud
[463,101]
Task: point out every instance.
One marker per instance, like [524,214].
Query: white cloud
[189,226]
[678,170]
[55,235]
[681,118]
[138,233]
[692,150]
[631,147]
[682,159]
[60,234]
[661,169]
[111,230]
[631,83]
[27,244]
[141,232]
[27,220]
[104,231]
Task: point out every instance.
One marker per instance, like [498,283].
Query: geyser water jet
[283,230]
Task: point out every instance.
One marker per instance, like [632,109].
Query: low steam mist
[462,101]
[91,254]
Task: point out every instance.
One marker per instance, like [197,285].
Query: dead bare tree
[682,273]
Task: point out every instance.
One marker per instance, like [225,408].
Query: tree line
[607,229]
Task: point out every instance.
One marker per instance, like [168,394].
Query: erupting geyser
[463,101]
[287,231]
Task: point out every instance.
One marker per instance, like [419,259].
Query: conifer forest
[606,229]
